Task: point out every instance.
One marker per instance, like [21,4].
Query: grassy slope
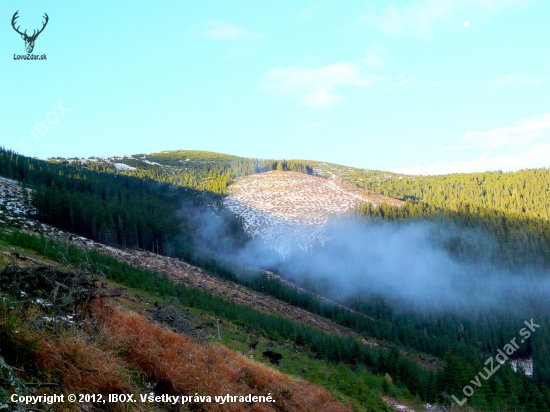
[386,180]
[359,388]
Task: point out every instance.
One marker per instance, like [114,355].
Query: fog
[413,264]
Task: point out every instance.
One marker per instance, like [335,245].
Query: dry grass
[72,359]
[179,365]
[116,351]
[81,366]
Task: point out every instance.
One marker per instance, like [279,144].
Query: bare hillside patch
[287,209]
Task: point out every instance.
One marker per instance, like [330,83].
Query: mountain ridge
[141,208]
[526,191]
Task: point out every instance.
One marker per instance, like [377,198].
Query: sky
[416,86]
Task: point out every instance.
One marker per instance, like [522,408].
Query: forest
[153,205]
[403,376]
[525,192]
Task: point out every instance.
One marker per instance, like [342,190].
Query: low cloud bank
[418,264]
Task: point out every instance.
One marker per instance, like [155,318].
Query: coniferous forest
[153,206]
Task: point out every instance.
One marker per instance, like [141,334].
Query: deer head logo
[29,40]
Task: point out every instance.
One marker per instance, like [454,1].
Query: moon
[466,24]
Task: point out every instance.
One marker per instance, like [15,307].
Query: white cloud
[517,135]
[525,144]
[528,159]
[374,56]
[224,31]
[419,17]
[416,18]
[316,88]
[515,80]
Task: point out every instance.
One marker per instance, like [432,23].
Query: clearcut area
[287,209]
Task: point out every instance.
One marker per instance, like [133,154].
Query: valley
[142,221]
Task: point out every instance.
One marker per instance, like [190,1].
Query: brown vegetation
[178,365]
[111,350]
[81,366]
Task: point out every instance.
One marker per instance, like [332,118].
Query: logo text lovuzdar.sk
[29,39]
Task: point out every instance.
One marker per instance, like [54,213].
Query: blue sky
[417,86]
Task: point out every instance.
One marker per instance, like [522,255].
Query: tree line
[144,208]
[504,389]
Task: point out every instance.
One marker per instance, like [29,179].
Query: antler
[43,26]
[15,16]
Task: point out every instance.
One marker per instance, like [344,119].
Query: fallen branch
[111,294]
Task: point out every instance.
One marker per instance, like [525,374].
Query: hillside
[526,192]
[13,213]
[287,209]
[120,211]
[93,349]
[121,326]
[191,169]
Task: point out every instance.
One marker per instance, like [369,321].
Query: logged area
[151,237]
[288,205]
[175,269]
[94,348]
